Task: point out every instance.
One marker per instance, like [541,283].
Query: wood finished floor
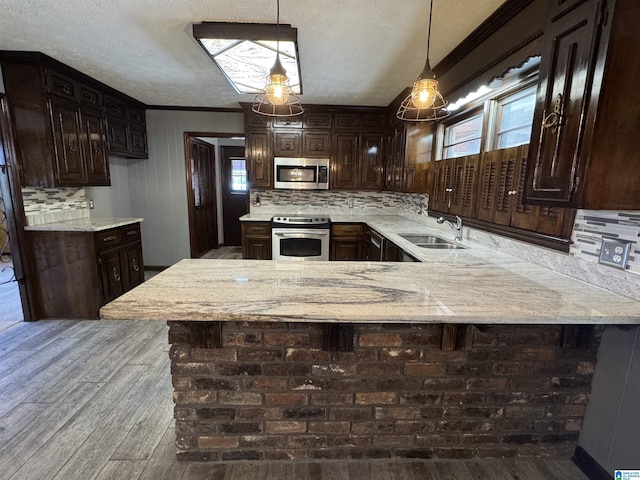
[93,400]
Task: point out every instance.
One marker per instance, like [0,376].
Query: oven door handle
[300,235]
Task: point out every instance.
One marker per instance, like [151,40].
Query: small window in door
[238,175]
[463,137]
[515,118]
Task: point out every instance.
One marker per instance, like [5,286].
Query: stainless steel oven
[301,173]
[300,237]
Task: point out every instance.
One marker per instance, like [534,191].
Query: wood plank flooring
[93,400]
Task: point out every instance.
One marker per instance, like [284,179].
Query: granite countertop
[85,224]
[453,286]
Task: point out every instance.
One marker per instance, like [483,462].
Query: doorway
[204,173]
[235,192]
[201,193]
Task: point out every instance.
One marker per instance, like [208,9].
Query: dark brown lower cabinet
[256,240]
[346,241]
[79,272]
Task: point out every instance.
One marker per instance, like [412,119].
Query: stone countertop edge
[452,287]
[87,224]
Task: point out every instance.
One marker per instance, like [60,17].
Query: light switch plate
[614,252]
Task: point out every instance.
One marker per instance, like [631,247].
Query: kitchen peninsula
[262,368]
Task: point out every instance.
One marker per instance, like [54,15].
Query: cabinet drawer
[347,230]
[108,239]
[287,122]
[136,115]
[130,233]
[61,86]
[316,120]
[257,229]
[115,107]
[89,97]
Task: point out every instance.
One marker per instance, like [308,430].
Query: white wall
[113,201]
[158,185]
[611,431]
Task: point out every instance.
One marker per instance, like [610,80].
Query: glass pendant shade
[424,92]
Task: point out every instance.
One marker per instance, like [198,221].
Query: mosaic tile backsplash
[46,205]
[277,201]
[592,225]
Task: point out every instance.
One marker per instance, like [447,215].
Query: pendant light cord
[278,27]
[428,31]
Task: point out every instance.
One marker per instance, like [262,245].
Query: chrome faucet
[457,227]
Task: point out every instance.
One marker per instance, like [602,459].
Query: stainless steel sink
[431,241]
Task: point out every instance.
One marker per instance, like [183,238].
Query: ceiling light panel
[245,52]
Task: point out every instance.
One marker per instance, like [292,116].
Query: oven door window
[300,247]
[298,174]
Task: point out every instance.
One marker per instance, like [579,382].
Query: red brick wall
[271,393]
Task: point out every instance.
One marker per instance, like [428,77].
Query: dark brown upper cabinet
[583,146]
[60,119]
[454,184]
[353,138]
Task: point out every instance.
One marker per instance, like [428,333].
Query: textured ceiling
[353,52]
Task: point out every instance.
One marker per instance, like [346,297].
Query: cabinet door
[561,107]
[316,144]
[498,185]
[345,250]
[118,137]
[138,134]
[259,159]
[316,119]
[440,197]
[371,155]
[344,164]
[67,140]
[111,271]
[256,248]
[132,267]
[95,149]
[287,143]
[464,195]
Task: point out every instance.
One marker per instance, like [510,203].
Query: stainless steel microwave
[301,173]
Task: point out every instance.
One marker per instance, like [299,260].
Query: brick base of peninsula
[272,393]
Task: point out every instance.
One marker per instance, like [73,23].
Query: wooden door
[316,144]
[95,148]
[201,195]
[68,148]
[371,155]
[344,165]
[561,112]
[235,192]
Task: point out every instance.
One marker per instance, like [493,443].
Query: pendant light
[277,99]
[425,103]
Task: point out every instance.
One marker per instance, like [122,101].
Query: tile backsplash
[592,225]
[279,201]
[46,205]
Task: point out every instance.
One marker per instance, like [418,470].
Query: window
[238,175]
[515,118]
[463,138]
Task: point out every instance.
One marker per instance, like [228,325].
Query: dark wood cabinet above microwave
[66,124]
[584,151]
[351,137]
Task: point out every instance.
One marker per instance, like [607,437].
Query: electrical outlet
[91,205]
[350,203]
[614,253]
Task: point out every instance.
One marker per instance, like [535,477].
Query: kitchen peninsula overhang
[468,287]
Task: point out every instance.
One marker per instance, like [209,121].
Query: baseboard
[589,466]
